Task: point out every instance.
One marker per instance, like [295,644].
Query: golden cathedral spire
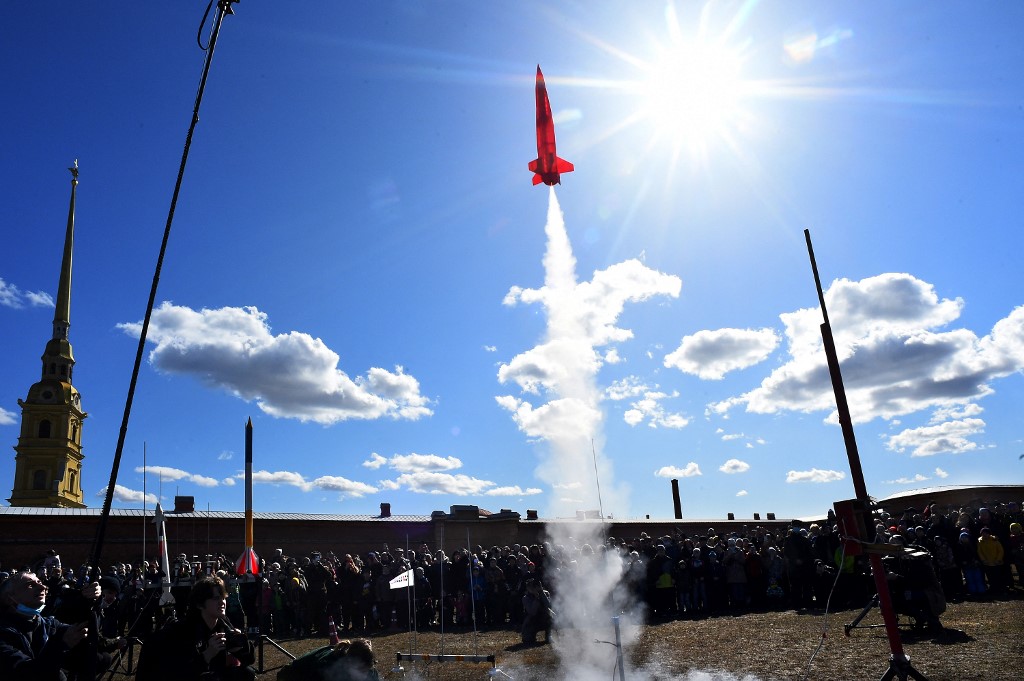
[48,460]
[62,313]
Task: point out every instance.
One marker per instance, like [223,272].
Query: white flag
[403,580]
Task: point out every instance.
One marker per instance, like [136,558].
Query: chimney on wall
[675,499]
[385,510]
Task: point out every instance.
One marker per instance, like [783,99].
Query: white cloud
[39,299]
[712,354]
[375,461]
[894,359]
[733,466]
[908,481]
[567,485]
[228,482]
[225,455]
[126,495]
[625,388]
[490,348]
[412,463]
[330,483]
[741,493]
[939,473]
[12,296]
[513,491]
[7,418]
[279,478]
[291,375]
[649,409]
[431,482]
[689,471]
[814,475]
[426,474]
[952,437]
[168,473]
[955,413]
[347,488]
[633,416]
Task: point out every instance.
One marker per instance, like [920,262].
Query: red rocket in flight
[547,167]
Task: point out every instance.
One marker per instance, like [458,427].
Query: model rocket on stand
[160,520]
[248,561]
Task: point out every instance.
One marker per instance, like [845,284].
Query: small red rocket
[248,561]
[547,167]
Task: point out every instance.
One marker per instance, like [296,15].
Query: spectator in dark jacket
[32,647]
[203,643]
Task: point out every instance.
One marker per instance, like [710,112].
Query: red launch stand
[899,662]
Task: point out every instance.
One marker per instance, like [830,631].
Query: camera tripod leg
[863,613]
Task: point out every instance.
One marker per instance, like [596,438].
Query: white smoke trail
[570,344]
[564,367]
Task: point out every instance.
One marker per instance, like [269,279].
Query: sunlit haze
[360,264]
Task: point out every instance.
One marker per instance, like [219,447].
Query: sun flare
[692,93]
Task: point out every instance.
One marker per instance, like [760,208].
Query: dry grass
[983,641]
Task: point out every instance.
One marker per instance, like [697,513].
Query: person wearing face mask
[32,647]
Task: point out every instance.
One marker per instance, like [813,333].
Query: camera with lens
[236,639]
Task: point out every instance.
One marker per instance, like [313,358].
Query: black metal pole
[677,505]
[899,662]
[223,7]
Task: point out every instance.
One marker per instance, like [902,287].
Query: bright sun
[691,94]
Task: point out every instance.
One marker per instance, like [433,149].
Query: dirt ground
[980,640]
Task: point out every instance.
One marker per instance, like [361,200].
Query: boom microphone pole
[223,8]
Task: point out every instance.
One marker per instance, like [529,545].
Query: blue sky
[360,264]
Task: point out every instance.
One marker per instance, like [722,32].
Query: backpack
[310,666]
[320,665]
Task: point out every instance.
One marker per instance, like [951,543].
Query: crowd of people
[969,553]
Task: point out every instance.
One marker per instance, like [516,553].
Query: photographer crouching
[204,646]
[914,585]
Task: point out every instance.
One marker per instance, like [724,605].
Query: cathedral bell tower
[48,460]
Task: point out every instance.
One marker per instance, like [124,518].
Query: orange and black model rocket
[248,561]
[547,168]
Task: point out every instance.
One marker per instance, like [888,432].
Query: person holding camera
[203,646]
[33,646]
